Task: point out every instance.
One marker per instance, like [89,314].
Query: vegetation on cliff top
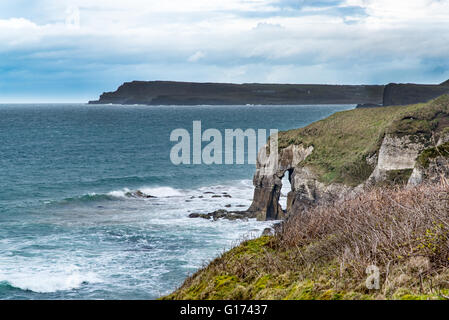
[343,141]
[427,155]
[324,253]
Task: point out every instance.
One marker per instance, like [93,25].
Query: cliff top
[343,141]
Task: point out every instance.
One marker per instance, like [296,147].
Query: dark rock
[228,206]
[199,215]
[224,214]
[216,196]
[266,200]
[227,196]
[139,194]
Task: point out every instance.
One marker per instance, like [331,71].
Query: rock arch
[268,183]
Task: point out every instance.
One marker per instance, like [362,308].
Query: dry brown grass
[380,227]
[323,253]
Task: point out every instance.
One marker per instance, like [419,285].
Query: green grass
[427,155]
[343,141]
[222,280]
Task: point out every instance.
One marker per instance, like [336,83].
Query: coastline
[82,161]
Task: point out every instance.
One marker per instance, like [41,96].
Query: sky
[73,50]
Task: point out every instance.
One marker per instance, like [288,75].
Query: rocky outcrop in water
[224,214]
[139,194]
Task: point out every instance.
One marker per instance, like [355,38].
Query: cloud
[73,17]
[196,56]
[81,48]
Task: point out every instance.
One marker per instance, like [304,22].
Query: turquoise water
[70,230]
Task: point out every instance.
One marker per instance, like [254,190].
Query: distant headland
[193,93]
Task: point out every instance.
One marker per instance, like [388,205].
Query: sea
[70,225]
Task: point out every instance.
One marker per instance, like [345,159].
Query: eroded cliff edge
[350,152]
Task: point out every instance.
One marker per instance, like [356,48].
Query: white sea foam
[159,192]
[162,192]
[129,233]
[119,193]
[48,280]
[240,189]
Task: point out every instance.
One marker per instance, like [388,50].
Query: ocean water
[70,230]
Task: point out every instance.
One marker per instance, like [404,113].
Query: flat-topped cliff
[191,93]
[409,93]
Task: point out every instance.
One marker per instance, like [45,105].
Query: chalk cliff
[403,145]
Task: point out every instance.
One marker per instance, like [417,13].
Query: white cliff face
[308,190]
[435,170]
[396,153]
[298,154]
[416,177]
[288,158]
[268,179]
[443,139]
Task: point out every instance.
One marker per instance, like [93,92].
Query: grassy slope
[324,255]
[344,140]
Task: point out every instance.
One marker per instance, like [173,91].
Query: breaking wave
[46,282]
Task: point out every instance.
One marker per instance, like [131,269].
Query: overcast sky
[73,50]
